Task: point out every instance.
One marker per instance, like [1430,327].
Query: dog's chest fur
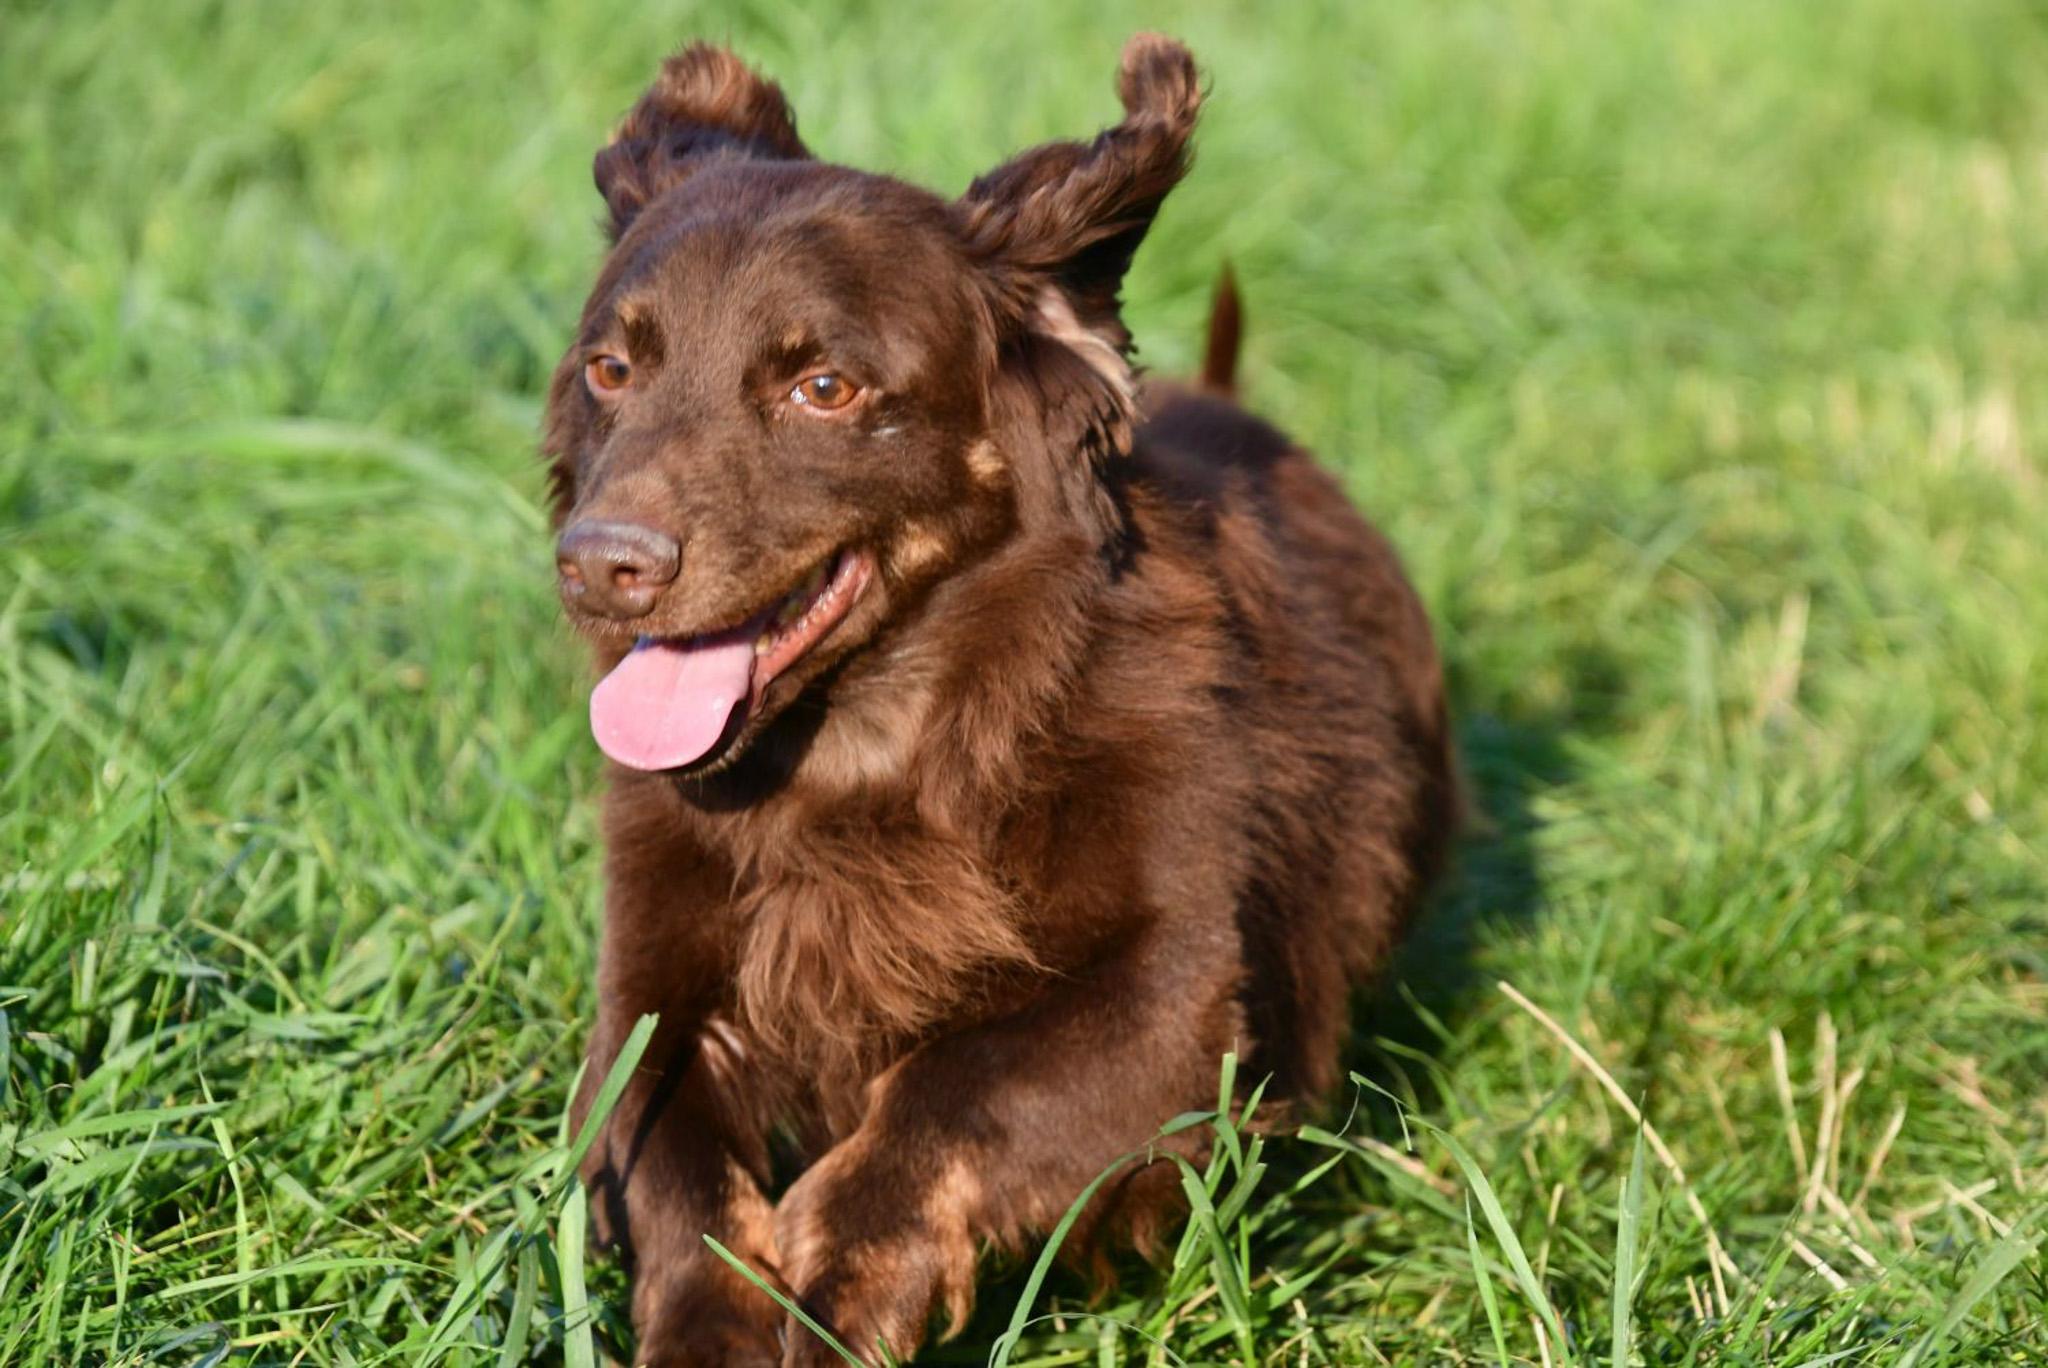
[860,930]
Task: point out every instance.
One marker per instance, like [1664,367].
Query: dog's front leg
[662,1175]
[677,1155]
[991,1133]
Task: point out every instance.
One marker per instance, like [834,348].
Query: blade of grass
[1627,1240]
[615,1081]
[1487,1300]
[1504,1235]
[1020,1315]
[1717,1257]
[519,1321]
[803,1317]
[1998,1261]
[579,1348]
[1223,1267]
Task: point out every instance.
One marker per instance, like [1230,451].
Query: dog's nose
[615,569]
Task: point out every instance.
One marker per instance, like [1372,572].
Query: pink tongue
[667,702]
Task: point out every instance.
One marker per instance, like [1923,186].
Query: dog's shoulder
[1198,446]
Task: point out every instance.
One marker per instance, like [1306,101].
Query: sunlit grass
[1695,354]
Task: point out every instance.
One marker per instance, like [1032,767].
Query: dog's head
[801,396]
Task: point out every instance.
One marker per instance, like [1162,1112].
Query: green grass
[1695,353]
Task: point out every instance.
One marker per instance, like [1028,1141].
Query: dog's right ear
[706,102]
[1052,232]
[1067,216]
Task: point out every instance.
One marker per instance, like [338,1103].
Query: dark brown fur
[1134,753]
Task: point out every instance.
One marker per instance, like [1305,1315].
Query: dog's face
[802,395]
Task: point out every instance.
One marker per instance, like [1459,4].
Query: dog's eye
[824,392]
[607,374]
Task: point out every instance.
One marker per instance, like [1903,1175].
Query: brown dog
[998,742]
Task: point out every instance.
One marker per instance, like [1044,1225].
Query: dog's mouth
[672,700]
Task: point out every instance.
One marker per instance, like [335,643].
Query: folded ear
[1072,214]
[704,103]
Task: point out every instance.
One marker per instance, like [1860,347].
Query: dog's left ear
[705,102]
[1070,215]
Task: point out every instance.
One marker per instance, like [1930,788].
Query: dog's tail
[1226,328]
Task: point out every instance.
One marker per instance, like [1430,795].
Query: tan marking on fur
[872,733]
[722,1050]
[753,1220]
[951,1210]
[1054,318]
[986,464]
[942,1254]
[958,1191]
[880,1270]
[916,548]
[800,1233]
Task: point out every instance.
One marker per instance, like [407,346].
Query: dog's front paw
[871,1274]
[719,1344]
[854,1325]
[702,1314]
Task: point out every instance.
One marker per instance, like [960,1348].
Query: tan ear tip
[1157,76]
[700,71]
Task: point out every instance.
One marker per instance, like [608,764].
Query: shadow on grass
[1495,882]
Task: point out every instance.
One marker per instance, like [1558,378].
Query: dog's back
[1340,697]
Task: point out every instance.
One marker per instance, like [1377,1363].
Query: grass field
[1695,353]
